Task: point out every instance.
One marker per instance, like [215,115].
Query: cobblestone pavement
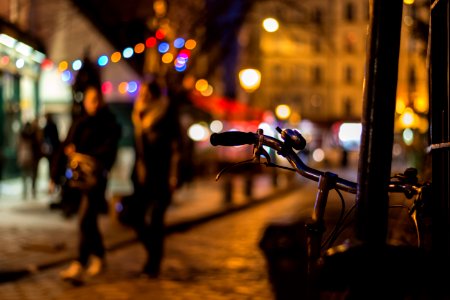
[216,260]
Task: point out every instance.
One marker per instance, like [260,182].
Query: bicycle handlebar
[237,138]
[294,140]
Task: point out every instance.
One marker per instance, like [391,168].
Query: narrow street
[217,260]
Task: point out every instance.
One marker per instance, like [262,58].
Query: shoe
[96,266]
[73,273]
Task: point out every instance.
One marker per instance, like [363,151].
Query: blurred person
[51,141]
[95,135]
[28,155]
[155,174]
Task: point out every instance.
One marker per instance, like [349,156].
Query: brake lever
[258,151]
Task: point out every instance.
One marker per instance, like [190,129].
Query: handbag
[82,171]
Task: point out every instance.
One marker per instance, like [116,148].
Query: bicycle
[318,261]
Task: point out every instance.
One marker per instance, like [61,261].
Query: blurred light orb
[180,69]
[116,56]
[208,91]
[102,60]
[128,52]
[167,58]
[178,43]
[160,34]
[150,42]
[20,63]
[66,76]
[408,136]
[163,47]
[197,132]
[283,111]
[139,48]
[400,106]
[76,64]
[107,87]
[270,24]
[250,79]
[122,88]
[216,126]
[190,44]
[318,155]
[132,87]
[201,85]
[62,66]
[407,118]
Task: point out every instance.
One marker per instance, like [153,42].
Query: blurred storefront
[20,59]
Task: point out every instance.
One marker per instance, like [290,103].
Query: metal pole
[439,57]
[380,87]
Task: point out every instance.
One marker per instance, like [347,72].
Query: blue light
[66,76]
[180,69]
[102,60]
[163,47]
[178,43]
[128,52]
[132,87]
[180,62]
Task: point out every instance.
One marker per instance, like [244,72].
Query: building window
[317,16]
[317,75]
[349,75]
[349,12]
[317,45]
[347,107]
[350,42]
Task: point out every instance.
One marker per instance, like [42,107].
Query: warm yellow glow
[423,125]
[250,79]
[400,106]
[159,6]
[421,105]
[116,56]
[407,118]
[408,2]
[283,111]
[201,85]
[208,92]
[270,25]
[167,58]
[190,44]
[123,87]
[62,66]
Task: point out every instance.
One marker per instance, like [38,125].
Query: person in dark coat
[95,135]
[157,136]
[51,141]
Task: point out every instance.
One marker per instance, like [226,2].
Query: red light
[47,64]
[160,34]
[5,60]
[107,87]
[184,53]
[150,42]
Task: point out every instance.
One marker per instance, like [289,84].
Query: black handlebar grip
[233,138]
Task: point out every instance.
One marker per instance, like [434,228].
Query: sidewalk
[34,238]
